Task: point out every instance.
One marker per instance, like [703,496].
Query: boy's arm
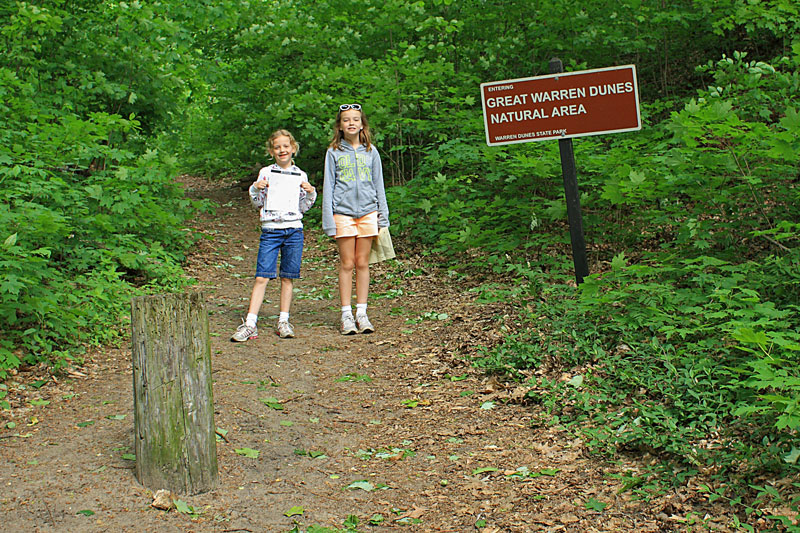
[258,189]
[310,197]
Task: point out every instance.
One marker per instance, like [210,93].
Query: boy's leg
[257,296]
[291,258]
[284,328]
[249,329]
[287,286]
[265,269]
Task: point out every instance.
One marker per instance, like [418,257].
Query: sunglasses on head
[345,107]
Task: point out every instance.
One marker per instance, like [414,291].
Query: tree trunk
[174,438]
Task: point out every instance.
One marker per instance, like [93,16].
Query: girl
[353,208]
[281,230]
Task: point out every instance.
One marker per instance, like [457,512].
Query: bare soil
[393,427]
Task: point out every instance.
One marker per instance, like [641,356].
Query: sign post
[562,106]
[572,196]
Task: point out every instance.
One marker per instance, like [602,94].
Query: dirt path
[389,427]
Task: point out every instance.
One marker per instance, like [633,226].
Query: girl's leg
[362,249]
[287,285]
[347,261]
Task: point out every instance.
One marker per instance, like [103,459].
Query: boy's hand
[306,186]
[261,184]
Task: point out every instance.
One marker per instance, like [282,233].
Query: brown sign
[561,106]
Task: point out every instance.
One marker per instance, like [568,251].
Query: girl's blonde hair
[364,136]
[283,133]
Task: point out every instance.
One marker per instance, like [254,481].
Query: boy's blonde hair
[364,135]
[282,133]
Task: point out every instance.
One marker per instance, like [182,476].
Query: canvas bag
[382,248]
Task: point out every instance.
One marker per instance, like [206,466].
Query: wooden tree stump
[174,438]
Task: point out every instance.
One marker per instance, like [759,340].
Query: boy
[281,213]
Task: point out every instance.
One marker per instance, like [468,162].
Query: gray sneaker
[244,333]
[285,330]
[363,324]
[348,325]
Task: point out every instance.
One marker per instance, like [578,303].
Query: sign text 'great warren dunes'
[561,106]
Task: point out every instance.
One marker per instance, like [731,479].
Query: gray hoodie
[353,185]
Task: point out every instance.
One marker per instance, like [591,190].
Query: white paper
[283,193]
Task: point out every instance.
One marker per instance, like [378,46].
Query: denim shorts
[287,241]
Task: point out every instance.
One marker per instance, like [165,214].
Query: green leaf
[85,512]
[636,177]
[792,456]
[294,511]
[595,505]
[182,507]
[576,381]
[354,377]
[361,485]
[116,417]
[272,403]
[129,456]
[483,470]
[618,261]
[247,452]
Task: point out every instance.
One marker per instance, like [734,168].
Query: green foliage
[685,345]
[88,213]
[415,66]
[689,361]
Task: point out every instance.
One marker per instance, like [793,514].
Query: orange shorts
[366,226]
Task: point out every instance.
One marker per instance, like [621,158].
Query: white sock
[346,310]
[283,317]
[251,320]
[361,309]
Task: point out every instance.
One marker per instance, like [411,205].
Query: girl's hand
[261,184]
[306,186]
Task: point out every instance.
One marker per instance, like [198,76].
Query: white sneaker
[285,330]
[348,325]
[245,333]
[363,324]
